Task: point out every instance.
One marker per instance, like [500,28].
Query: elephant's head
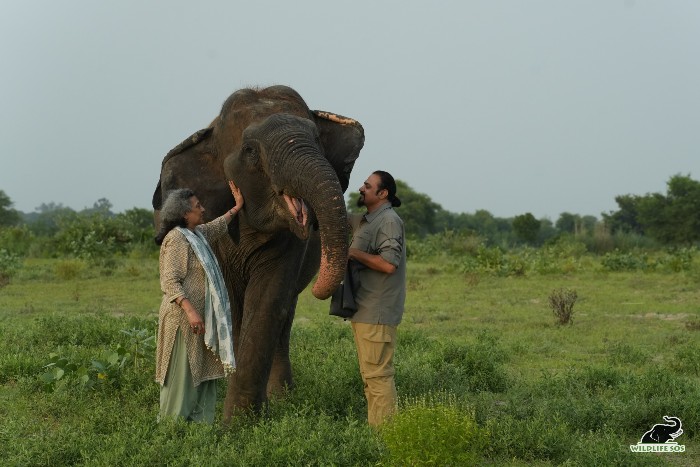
[292,165]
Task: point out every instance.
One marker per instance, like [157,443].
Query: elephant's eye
[250,153]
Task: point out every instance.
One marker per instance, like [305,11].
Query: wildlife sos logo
[661,437]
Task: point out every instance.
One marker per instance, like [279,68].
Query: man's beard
[361,201]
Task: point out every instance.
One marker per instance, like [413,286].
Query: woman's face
[195,215]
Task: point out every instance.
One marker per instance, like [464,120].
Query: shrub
[687,360]
[678,259]
[434,430]
[562,303]
[302,437]
[69,269]
[61,371]
[449,243]
[623,353]
[326,369]
[619,261]
[97,236]
[10,263]
[17,240]
[457,368]
[542,436]
[495,261]
[107,370]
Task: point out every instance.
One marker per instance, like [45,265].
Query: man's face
[370,195]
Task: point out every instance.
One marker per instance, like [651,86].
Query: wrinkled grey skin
[292,166]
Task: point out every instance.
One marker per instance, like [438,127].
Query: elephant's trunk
[675,420]
[322,191]
[333,229]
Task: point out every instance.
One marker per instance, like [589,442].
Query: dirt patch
[662,316]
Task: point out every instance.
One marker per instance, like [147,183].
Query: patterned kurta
[182,274]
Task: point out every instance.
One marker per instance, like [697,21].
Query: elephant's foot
[280,381]
[237,416]
[278,388]
[241,403]
[243,410]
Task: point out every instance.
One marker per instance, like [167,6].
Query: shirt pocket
[362,240]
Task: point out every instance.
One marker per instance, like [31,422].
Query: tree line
[94,233]
[650,220]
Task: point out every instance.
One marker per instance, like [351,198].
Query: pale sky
[543,106]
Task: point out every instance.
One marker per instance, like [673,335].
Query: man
[378,243]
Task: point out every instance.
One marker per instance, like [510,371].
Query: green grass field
[485,374]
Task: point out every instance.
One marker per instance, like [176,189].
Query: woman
[195,346]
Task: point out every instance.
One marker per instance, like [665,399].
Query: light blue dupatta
[217,309]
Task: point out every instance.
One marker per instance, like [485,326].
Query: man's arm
[375,262]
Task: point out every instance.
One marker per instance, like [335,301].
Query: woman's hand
[195,320]
[237,195]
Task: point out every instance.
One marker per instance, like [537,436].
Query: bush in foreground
[434,430]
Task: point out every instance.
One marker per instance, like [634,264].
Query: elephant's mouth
[298,209]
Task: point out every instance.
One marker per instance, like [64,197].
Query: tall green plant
[10,263]
[434,430]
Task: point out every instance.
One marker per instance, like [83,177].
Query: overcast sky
[544,106]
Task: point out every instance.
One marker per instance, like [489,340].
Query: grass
[481,363]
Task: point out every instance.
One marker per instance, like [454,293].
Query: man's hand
[375,262]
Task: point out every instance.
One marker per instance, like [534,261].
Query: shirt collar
[370,217]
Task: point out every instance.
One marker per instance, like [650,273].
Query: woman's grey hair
[172,214]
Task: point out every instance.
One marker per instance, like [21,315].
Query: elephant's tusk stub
[297,208]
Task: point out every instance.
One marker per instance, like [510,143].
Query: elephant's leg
[281,372]
[237,323]
[265,316]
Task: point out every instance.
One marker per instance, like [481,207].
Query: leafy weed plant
[434,430]
[10,263]
[562,302]
[69,269]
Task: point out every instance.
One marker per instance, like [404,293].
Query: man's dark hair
[386,181]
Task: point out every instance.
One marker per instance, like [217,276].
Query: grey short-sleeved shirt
[380,297]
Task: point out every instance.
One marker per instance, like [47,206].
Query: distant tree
[484,223]
[481,222]
[673,218]
[138,217]
[101,206]
[526,227]
[8,216]
[567,222]
[141,224]
[547,231]
[625,219]
[589,224]
[575,224]
[446,220]
[47,218]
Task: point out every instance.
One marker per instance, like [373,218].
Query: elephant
[293,166]
[662,433]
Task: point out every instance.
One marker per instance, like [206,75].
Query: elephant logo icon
[662,432]
[661,437]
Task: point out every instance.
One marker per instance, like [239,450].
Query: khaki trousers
[375,345]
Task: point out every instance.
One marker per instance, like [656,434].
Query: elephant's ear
[342,139]
[190,141]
